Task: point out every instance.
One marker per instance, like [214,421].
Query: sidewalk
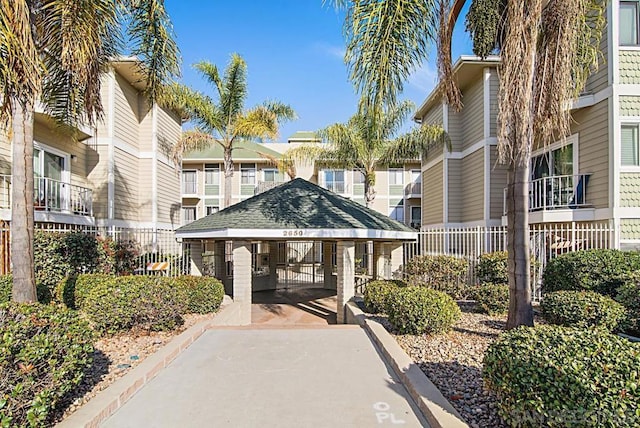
[282,377]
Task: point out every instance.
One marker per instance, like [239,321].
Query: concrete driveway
[274,377]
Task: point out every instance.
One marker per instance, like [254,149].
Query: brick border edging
[434,406]
[107,401]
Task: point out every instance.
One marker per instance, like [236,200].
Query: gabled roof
[304,136]
[297,209]
[242,150]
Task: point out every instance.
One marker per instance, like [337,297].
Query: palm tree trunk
[369,192]
[24,287]
[228,176]
[520,309]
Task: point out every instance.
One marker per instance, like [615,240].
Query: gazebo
[296,211]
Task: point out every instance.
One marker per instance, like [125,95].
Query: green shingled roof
[297,204]
[242,149]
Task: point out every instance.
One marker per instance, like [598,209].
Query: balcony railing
[414,189]
[556,192]
[52,195]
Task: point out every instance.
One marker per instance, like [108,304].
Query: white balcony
[556,193]
[414,190]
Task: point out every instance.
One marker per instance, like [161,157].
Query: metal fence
[546,241]
[147,244]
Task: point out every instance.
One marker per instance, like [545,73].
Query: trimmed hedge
[418,310]
[602,271]
[6,284]
[562,376]
[126,302]
[582,309]
[492,299]
[204,293]
[376,294]
[44,350]
[443,273]
[629,297]
[492,268]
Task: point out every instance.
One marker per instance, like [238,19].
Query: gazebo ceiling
[297,209]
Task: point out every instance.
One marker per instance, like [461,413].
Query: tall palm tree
[548,48]
[53,52]
[369,141]
[224,121]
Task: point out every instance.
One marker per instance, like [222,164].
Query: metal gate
[300,265]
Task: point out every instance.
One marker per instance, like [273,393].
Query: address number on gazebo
[291,233]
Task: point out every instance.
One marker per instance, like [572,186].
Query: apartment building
[398,190]
[591,176]
[116,174]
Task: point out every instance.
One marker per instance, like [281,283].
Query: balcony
[556,193]
[52,196]
[413,190]
[263,186]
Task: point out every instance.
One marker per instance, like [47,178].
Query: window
[628,23]
[629,142]
[211,174]
[416,216]
[273,176]
[334,180]
[396,176]
[558,162]
[397,212]
[51,178]
[189,182]
[358,177]
[188,214]
[247,173]
[212,209]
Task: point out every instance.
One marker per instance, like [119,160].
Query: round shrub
[561,376]
[204,293]
[418,310]
[44,350]
[376,294]
[126,302]
[492,268]
[602,271]
[582,309]
[72,290]
[442,273]
[629,297]
[493,299]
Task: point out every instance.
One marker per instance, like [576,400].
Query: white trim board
[288,234]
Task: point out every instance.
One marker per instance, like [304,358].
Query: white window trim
[184,207]
[637,45]
[572,139]
[182,181]
[255,173]
[395,170]
[629,168]
[66,172]
[206,169]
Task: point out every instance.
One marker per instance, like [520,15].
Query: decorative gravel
[453,362]
[118,355]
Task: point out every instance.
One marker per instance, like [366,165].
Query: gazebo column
[346,271]
[328,265]
[195,256]
[378,260]
[397,255]
[220,265]
[242,279]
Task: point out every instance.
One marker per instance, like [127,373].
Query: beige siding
[5,153]
[473,111]
[145,186]
[593,134]
[432,195]
[629,106]
[599,79]
[169,131]
[101,125]
[498,179]
[629,66]
[126,112]
[630,228]
[168,194]
[145,130]
[455,129]
[454,191]
[630,189]
[97,164]
[433,116]
[126,186]
[493,106]
[472,175]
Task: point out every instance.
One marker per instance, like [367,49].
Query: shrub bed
[442,273]
[6,284]
[114,304]
[418,310]
[562,376]
[44,350]
[492,299]
[376,294]
[204,293]
[582,309]
[492,268]
[629,297]
[602,271]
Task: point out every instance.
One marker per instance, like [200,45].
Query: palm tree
[367,142]
[54,52]
[224,121]
[548,48]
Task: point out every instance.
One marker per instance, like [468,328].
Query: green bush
[629,297]
[602,271]
[204,293]
[418,310]
[73,289]
[582,309]
[122,303]
[560,376]
[6,284]
[493,298]
[44,350]
[376,294]
[492,268]
[442,273]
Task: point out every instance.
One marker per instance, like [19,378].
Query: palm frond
[415,144]
[283,112]
[190,141]
[234,94]
[307,154]
[193,106]
[211,73]
[283,164]
[257,123]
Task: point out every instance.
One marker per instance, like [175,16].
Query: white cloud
[331,50]
[424,78]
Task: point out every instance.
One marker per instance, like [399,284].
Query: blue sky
[294,52]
